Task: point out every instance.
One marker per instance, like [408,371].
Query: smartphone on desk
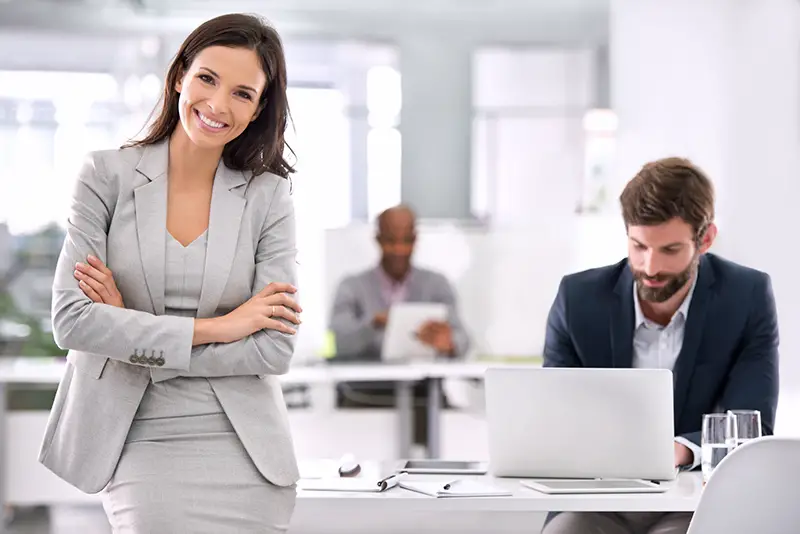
[442,467]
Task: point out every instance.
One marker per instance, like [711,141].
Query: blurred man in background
[361,309]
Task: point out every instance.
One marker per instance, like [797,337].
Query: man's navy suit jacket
[729,358]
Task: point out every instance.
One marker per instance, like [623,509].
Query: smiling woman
[174,293]
[216,107]
[222,70]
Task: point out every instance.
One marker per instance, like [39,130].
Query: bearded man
[670,305]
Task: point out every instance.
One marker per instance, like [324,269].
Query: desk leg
[405,413]
[4,515]
[434,417]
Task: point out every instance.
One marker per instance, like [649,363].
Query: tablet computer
[400,342]
[455,467]
[567,486]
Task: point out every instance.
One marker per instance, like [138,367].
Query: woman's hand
[97,282]
[264,311]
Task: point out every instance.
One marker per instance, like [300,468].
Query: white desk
[399,510]
[404,377]
[47,372]
[16,372]
[27,370]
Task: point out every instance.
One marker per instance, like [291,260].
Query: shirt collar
[388,281]
[683,310]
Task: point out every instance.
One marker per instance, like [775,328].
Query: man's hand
[379,321]
[439,335]
[683,455]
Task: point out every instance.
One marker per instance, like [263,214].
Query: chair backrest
[752,490]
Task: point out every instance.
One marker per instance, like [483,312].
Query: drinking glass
[747,424]
[717,440]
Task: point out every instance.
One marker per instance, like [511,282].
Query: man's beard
[674,283]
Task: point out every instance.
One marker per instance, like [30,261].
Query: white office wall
[528,145]
[435,124]
[537,165]
[540,77]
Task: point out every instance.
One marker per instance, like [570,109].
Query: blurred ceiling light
[72,112]
[150,46]
[51,85]
[600,121]
[132,91]
[150,87]
[24,112]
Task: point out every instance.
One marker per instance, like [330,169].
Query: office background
[510,126]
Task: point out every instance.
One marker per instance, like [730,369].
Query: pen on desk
[390,481]
[449,484]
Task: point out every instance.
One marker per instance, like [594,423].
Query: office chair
[752,490]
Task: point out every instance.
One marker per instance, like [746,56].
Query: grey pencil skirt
[192,476]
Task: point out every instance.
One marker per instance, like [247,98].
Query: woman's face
[219,95]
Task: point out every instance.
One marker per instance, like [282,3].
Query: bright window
[320,137]
[384,146]
[47,149]
[383,169]
[384,98]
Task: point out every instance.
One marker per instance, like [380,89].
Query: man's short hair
[669,188]
[381,219]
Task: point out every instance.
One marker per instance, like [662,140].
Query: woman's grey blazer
[119,214]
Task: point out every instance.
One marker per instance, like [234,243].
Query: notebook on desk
[357,484]
[569,487]
[460,488]
[341,484]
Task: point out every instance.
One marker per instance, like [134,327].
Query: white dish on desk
[583,486]
[444,467]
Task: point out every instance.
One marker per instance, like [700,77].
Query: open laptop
[578,423]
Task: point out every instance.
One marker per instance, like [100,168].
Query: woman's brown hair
[260,148]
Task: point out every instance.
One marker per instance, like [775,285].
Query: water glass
[747,425]
[717,440]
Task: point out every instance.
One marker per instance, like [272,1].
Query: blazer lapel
[150,201]
[227,206]
[693,334]
[622,318]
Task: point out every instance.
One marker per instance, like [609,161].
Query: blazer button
[134,357]
[151,361]
[160,362]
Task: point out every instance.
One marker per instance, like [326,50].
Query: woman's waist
[179,426]
[179,397]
